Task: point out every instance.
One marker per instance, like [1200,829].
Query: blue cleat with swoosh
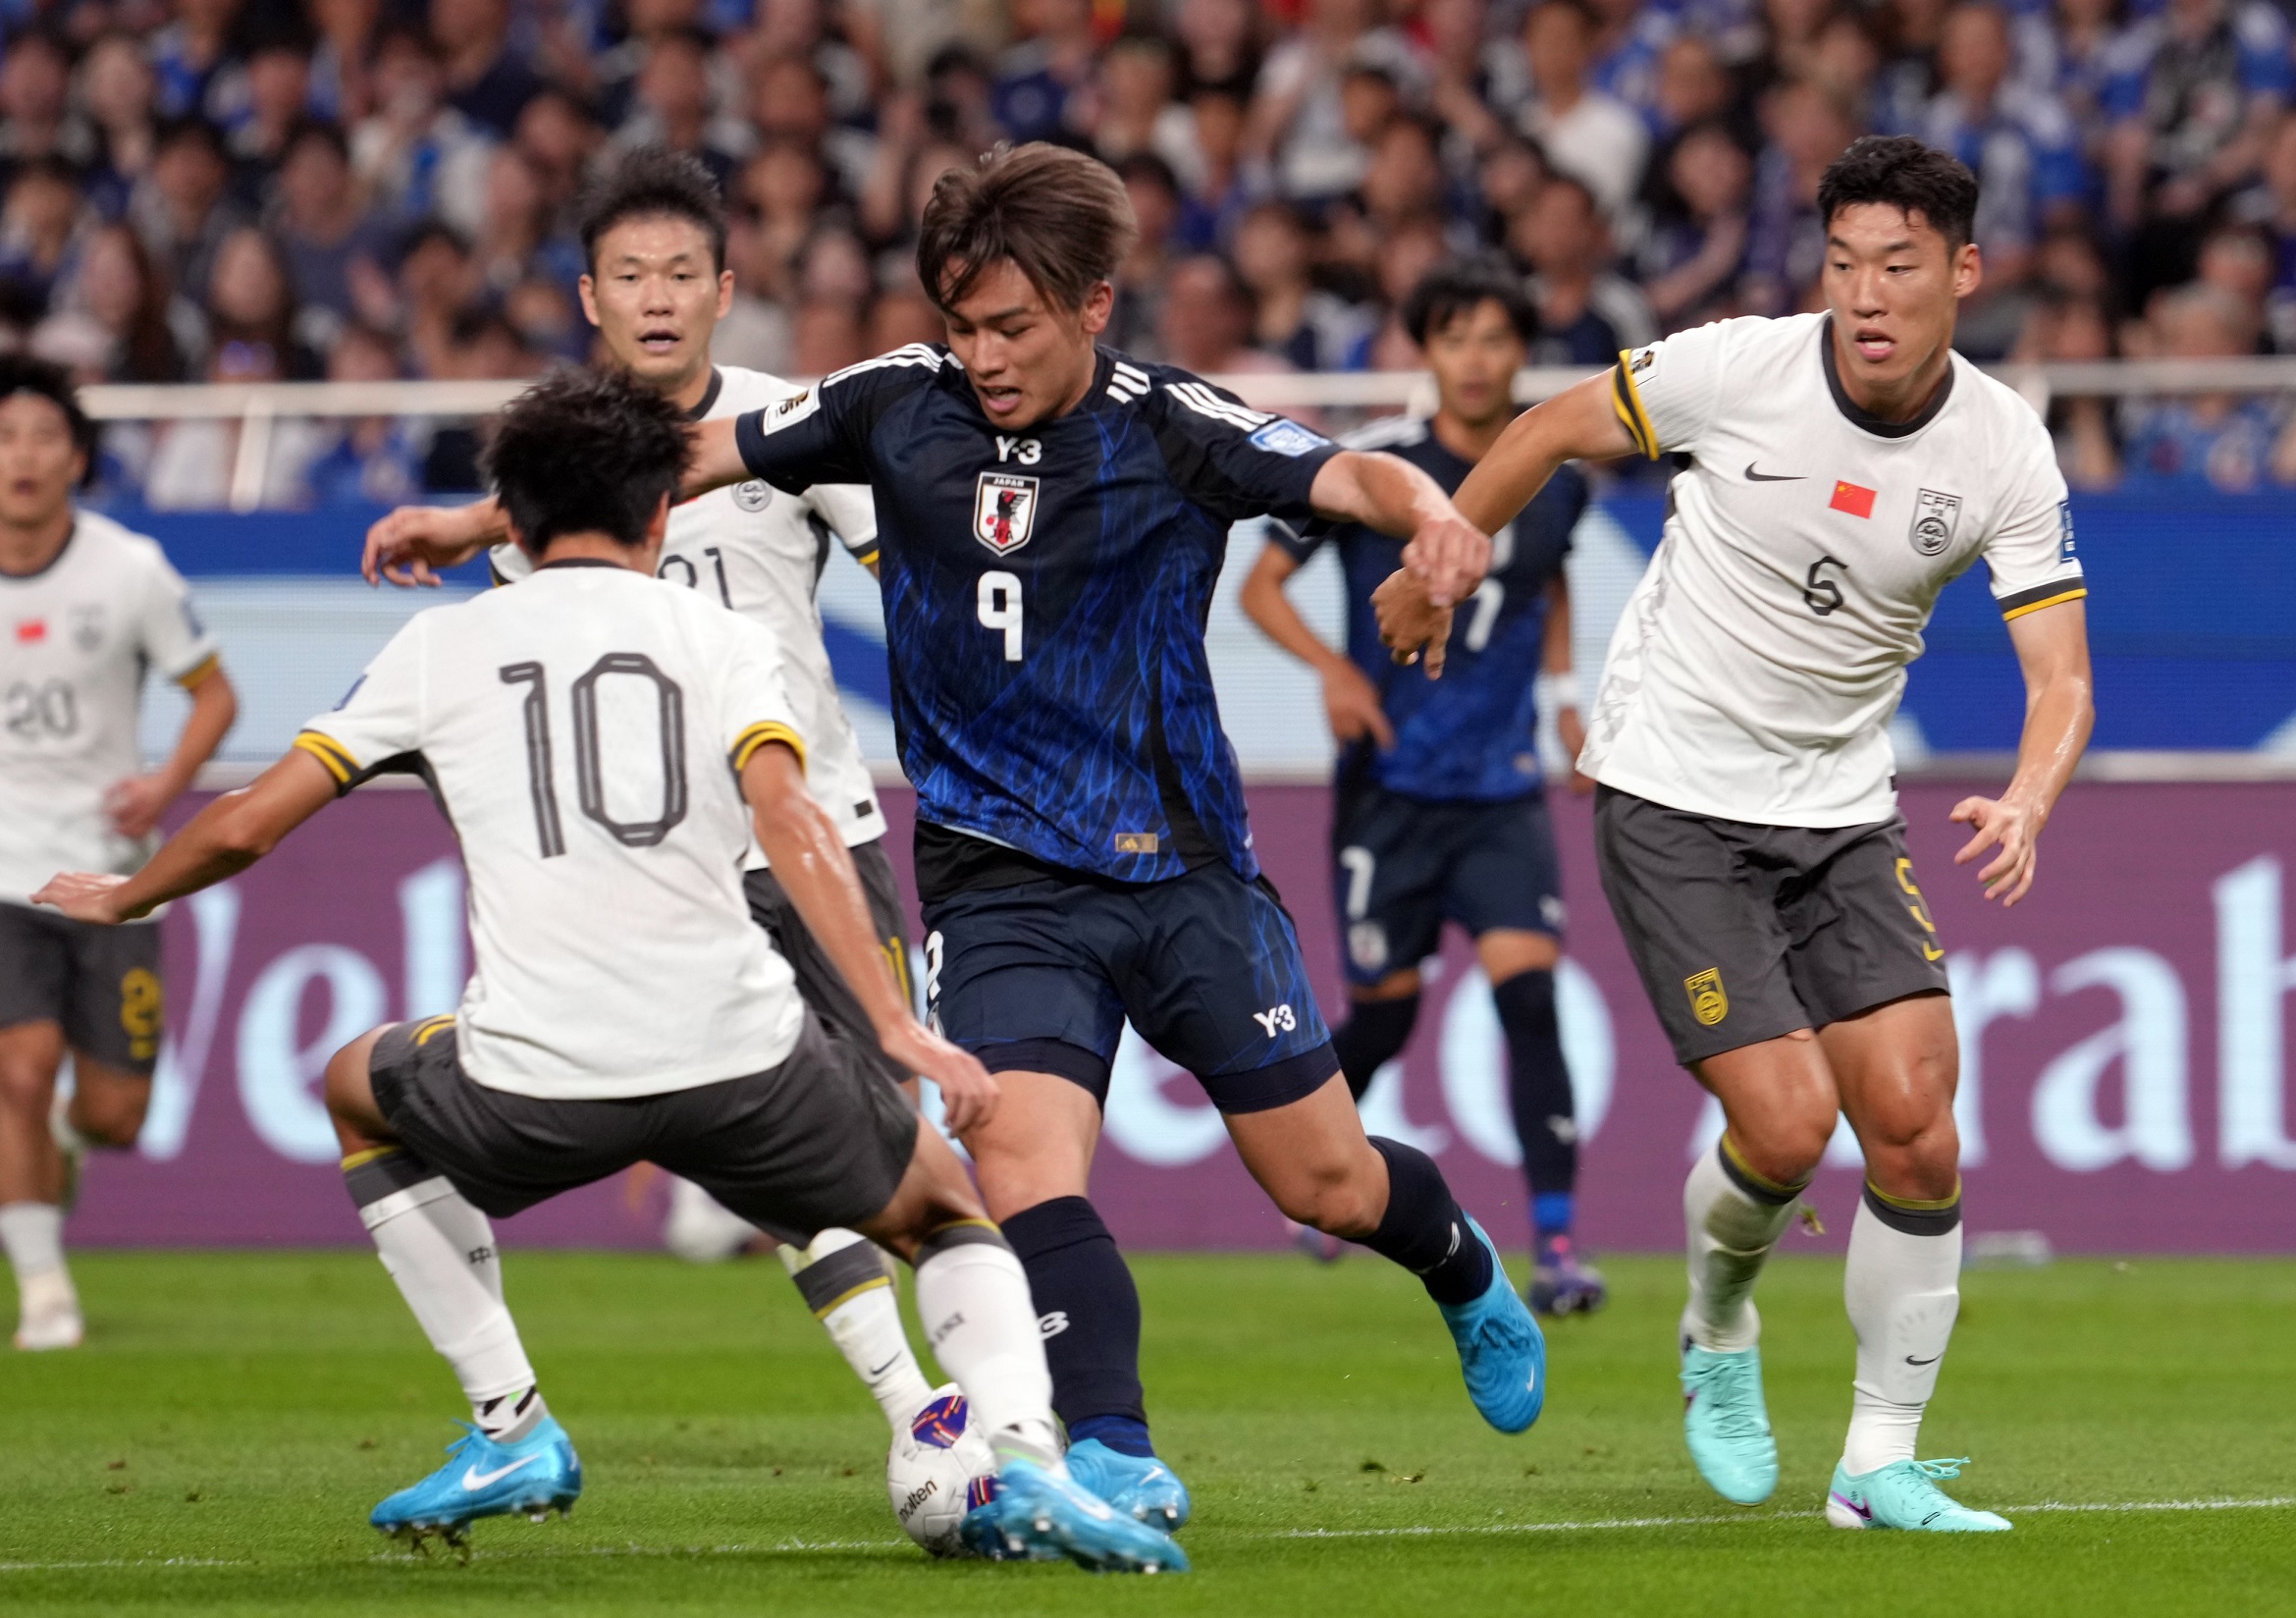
[534,1476]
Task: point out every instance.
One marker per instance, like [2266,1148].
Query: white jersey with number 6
[759,553]
[76,641]
[1755,669]
[583,732]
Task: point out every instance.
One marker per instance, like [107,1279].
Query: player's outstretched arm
[223,840]
[1385,492]
[2060,709]
[411,545]
[716,460]
[1350,701]
[810,861]
[136,803]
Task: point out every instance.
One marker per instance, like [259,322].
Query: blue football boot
[1139,1485]
[536,1476]
[1502,1353]
[1037,1515]
[1904,1494]
[1727,1424]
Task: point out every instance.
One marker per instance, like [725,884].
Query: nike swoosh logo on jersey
[474,1480]
[1753,476]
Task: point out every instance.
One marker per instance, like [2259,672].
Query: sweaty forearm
[2057,723]
[229,834]
[214,706]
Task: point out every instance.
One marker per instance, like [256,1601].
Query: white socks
[846,1286]
[440,1251]
[1902,1287]
[47,1308]
[1734,1219]
[979,1317]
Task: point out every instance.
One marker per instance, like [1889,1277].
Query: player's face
[38,462]
[1028,358]
[1474,357]
[1893,283]
[656,298]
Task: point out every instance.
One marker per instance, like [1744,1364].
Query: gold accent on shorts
[1709,1001]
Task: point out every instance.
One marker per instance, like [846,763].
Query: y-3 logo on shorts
[1708,1002]
[1276,1020]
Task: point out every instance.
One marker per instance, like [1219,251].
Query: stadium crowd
[248,189]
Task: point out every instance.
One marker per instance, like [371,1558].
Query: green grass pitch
[217,1446]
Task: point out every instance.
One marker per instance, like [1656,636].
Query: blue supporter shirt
[1046,593]
[1471,735]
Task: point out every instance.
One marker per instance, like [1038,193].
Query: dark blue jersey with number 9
[1046,592]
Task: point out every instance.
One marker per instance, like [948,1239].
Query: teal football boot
[1140,1486]
[1037,1515]
[1905,1495]
[534,1476]
[1727,1424]
[1502,1353]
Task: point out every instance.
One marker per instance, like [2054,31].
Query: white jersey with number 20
[1756,667]
[583,732]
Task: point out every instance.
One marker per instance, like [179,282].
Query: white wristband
[1557,691]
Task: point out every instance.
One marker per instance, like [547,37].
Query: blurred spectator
[1219,48]
[199,76]
[182,209]
[1693,257]
[322,227]
[517,239]
[118,302]
[118,88]
[2073,326]
[2272,205]
[556,137]
[1406,257]
[1036,78]
[1139,280]
[1629,40]
[2192,92]
[37,119]
[376,458]
[2230,440]
[900,318]
[1592,137]
[801,27]
[1212,170]
[279,99]
[2069,52]
[1299,120]
[1586,311]
[1134,109]
[1846,62]
[418,157]
[36,224]
[484,346]
[829,337]
[1693,87]
[196,464]
[432,288]
[1786,238]
[1307,327]
[1208,321]
[341,89]
[1509,175]
[488,83]
[781,190]
[1908,77]
[251,303]
[2239,259]
[672,106]
[789,97]
[543,311]
[1403,181]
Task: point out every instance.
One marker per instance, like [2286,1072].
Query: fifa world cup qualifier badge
[1935,517]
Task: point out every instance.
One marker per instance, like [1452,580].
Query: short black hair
[1058,216]
[653,182]
[24,373]
[586,452]
[1460,286]
[1900,172]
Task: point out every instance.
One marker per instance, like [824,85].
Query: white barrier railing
[258,405]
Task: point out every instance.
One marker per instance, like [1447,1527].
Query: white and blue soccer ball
[939,1469]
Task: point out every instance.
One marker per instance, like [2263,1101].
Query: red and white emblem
[1004,511]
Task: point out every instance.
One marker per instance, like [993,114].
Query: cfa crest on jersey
[1709,1002]
[1004,511]
[1935,517]
[87,627]
[753,495]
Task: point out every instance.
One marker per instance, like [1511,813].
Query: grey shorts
[818,1141]
[1744,932]
[101,984]
[819,982]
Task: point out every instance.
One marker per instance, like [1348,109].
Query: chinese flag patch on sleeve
[1851,498]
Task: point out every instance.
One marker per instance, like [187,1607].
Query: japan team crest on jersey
[1935,517]
[1004,511]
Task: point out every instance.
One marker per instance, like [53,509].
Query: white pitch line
[784,1547]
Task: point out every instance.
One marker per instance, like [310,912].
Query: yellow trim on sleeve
[1626,397]
[197,674]
[865,557]
[746,744]
[2057,600]
[330,752]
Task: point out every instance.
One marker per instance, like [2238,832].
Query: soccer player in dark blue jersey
[1053,519]
[1440,810]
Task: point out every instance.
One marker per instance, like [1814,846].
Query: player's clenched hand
[84,896]
[1450,554]
[968,1094]
[1352,703]
[2013,826]
[135,805]
[1411,625]
[409,545]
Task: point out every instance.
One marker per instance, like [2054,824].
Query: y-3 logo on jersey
[1276,1019]
[1004,511]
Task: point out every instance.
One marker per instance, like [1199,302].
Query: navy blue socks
[1089,1312]
[1423,1229]
[1539,1089]
[1375,1033]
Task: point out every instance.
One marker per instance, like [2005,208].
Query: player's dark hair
[586,452]
[1463,284]
[24,373]
[653,183]
[1899,172]
[1058,216]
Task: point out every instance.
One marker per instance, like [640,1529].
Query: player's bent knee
[1342,1200]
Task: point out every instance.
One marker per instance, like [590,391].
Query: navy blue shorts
[1042,977]
[1404,866]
